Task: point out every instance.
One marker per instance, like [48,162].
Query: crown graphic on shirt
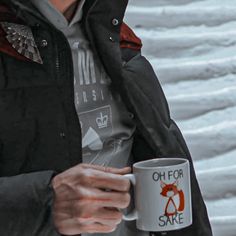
[102,121]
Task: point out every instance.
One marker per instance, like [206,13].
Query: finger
[113,199]
[108,216]
[118,200]
[99,228]
[90,214]
[121,202]
[93,220]
[99,179]
[89,208]
[108,221]
[103,213]
[111,181]
[74,227]
[122,171]
[108,213]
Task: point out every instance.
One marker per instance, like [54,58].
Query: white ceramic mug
[162,193]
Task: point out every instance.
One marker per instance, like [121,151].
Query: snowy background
[192,46]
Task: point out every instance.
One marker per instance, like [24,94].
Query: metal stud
[115,22]
[131,115]
[44,43]
[112,39]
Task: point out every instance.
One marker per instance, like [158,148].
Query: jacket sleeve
[158,135]
[201,225]
[25,205]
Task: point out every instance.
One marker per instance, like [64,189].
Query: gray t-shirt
[107,126]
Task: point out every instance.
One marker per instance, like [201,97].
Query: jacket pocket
[16,139]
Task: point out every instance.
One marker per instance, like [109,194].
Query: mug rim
[139,166]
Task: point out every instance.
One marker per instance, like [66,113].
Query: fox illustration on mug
[173,214]
[170,191]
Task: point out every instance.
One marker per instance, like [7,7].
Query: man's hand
[83,203]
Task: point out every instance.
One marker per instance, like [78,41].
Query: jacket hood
[27,4]
[22,7]
[19,7]
[20,3]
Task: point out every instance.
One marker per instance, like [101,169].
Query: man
[79,104]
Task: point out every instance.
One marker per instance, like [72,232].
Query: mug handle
[133,215]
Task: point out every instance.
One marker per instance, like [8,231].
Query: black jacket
[39,128]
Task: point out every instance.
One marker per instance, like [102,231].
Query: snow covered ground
[192,47]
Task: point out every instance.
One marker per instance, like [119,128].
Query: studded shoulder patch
[21,39]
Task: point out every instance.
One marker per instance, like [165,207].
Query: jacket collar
[27,11]
[28,6]
[24,9]
[96,23]
[103,9]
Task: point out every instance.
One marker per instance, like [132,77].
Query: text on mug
[162,176]
[171,220]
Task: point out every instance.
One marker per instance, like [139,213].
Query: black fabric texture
[40,132]
[26,204]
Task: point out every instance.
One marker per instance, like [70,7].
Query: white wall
[192,47]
